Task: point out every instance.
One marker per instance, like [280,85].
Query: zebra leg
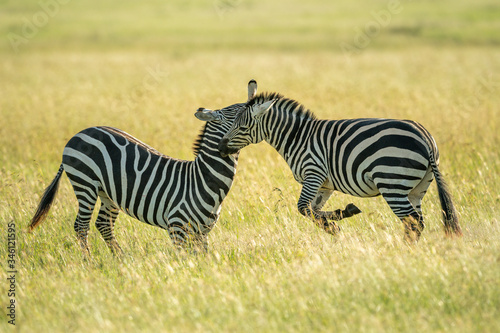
[339,214]
[87,198]
[105,222]
[199,243]
[197,240]
[180,232]
[416,195]
[413,227]
[310,189]
[188,240]
[319,201]
[403,208]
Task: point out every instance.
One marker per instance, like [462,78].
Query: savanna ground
[146,67]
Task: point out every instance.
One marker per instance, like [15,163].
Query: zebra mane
[197,142]
[296,107]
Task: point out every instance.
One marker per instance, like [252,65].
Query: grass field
[145,68]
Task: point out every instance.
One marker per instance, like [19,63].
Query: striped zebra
[183,197]
[397,159]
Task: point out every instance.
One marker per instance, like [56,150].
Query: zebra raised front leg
[312,199]
[322,197]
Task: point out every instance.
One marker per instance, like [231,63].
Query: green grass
[147,68]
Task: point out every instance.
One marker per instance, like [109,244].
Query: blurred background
[182,28]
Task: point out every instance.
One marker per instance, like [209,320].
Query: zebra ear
[252,89]
[206,114]
[259,109]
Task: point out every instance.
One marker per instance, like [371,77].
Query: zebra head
[219,121]
[247,127]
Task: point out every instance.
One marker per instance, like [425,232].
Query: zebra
[365,157]
[183,197]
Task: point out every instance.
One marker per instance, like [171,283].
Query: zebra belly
[369,189]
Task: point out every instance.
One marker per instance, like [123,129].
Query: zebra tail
[46,201]
[450,217]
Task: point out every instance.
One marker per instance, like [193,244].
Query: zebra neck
[215,171]
[286,132]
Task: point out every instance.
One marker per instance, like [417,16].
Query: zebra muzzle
[224,148]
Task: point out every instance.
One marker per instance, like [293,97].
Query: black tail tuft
[450,217]
[46,201]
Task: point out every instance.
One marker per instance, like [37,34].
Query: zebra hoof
[331,228]
[413,229]
[351,210]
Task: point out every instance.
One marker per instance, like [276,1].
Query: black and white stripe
[397,159]
[183,197]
